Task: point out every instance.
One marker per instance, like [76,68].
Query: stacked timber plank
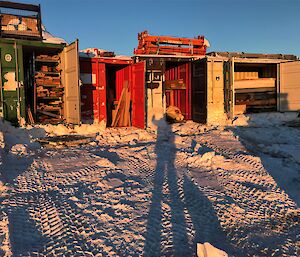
[121,116]
[49,91]
[255,83]
[254,94]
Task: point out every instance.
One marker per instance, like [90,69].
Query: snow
[83,129]
[92,52]
[271,137]
[208,250]
[206,43]
[160,192]
[96,52]
[264,119]
[11,135]
[49,38]
[123,57]
[19,150]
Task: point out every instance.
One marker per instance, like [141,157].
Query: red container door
[93,90]
[180,98]
[138,95]
[101,90]
[89,94]
[122,75]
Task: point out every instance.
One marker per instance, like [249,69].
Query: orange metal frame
[169,45]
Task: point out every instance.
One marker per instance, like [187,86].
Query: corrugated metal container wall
[123,74]
[93,89]
[289,97]
[180,97]
[11,104]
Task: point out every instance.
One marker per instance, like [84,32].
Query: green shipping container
[12,86]
[17,92]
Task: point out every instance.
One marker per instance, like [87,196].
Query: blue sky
[260,26]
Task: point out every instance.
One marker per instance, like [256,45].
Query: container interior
[90,93]
[116,77]
[255,87]
[199,91]
[177,86]
[43,87]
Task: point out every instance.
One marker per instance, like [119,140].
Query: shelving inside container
[49,90]
[43,85]
[255,87]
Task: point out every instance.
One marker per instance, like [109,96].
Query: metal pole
[233,89]
[18,85]
[34,86]
[1,93]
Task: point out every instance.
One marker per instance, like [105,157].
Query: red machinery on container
[166,45]
[176,56]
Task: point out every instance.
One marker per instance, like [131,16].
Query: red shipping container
[102,83]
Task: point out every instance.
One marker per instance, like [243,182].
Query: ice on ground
[136,192]
[208,250]
[284,150]
[83,129]
[277,144]
[3,188]
[207,156]
[264,119]
[103,162]
[19,150]
[280,141]
[128,135]
[2,143]
[27,135]
[190,128]
[204,159]
[11,135]
[5,247]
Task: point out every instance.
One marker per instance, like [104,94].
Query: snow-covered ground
[132,192]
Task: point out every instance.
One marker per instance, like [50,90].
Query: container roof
[253,55]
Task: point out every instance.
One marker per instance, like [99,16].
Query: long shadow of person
[166,229]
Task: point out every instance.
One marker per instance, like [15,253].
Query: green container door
[13,95]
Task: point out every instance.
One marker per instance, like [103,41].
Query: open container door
[229,88]
[138,95]
[289,97]
[70,76]
[199,92]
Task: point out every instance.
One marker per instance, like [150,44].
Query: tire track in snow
[76,206]
[252,204]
